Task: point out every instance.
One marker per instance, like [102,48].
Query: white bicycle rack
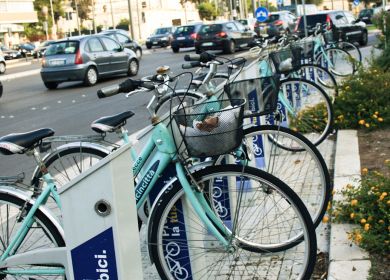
[100,221]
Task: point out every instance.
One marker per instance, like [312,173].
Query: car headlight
[164,38]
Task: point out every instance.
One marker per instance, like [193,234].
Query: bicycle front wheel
[353,50]
[42,234]
[305,108]
[266,220]
[337,61]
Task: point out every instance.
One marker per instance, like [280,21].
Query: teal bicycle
[267,217]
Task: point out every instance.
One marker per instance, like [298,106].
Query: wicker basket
[208,130]
[286,60]
[261,93]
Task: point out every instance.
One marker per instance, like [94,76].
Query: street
[26,104]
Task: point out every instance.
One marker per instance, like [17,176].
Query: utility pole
[304,18]
[112,15]
[254,8]
[77,16]
[130,20]
[93,16]
[54,27]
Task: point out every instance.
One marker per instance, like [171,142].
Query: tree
[207,11]
[84,8]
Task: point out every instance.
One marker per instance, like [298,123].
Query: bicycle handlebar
[191,65]
[203,57]
[124,87]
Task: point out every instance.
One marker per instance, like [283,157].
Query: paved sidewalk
[347,261]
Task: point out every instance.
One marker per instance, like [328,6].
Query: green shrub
[368,206]
[364,100]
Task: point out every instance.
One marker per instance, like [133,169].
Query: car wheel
[51,85]
[364,39]
[148,46]
[198,51]
[138,53]
[1,89]
[2,68]
[133,67]
[91,77]
[231,47]
[175,49]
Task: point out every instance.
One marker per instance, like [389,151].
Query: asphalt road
[26,104]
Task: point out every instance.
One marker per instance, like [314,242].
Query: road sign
[356,2]
[261,14]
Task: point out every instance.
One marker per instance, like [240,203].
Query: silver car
[86,58]
[2,64]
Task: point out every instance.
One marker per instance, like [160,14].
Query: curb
[19,64]
[19,75]
[346,260]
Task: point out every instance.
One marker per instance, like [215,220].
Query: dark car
[184,37]
[26,49]
[122,37]
[86,58]
[3,65]
[366,15]
[161,37]
[276,23]
[342,23]
[39,51]
[10,54]
[226,36]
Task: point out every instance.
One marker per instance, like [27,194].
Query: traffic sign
[261,14]
[356,2]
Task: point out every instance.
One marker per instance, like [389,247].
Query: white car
[2,64]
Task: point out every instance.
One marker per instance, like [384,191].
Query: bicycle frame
[49,190]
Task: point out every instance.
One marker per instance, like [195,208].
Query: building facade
[12,14]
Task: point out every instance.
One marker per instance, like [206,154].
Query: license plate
[207,44]
[155,43]
[181,38]
[56,62]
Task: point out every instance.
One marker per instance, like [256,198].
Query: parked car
[161,37]
[1,89]
[226,36]
[122,37]
[3,65]
[276,24]
[184,36]
[248,22]
[342,23]
[366,15]
[86,58]
[26,49]
[10,54]
[39,51]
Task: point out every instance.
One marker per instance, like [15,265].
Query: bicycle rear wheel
[42,234]
[305,108]
[352,49]
[337,61]
[292,158]
[267,240]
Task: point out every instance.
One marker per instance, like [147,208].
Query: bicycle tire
[322,76]
[352,49]
[292,158]
[311,109]
[164,105]
[43,233]
[56,164]
[342,61]
[299,255]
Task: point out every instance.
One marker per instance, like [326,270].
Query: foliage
[368,206]
[315,2]
[378,20]
[83,8]
[123,24]
[35,31]
[314,113]
[363,100]
[207,11]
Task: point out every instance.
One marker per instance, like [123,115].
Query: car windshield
[212,28]
[162,31]
[272,18]
[243,21]
[185,29]
[364,13]
[68,47]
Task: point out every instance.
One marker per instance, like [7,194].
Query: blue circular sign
[261,14]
